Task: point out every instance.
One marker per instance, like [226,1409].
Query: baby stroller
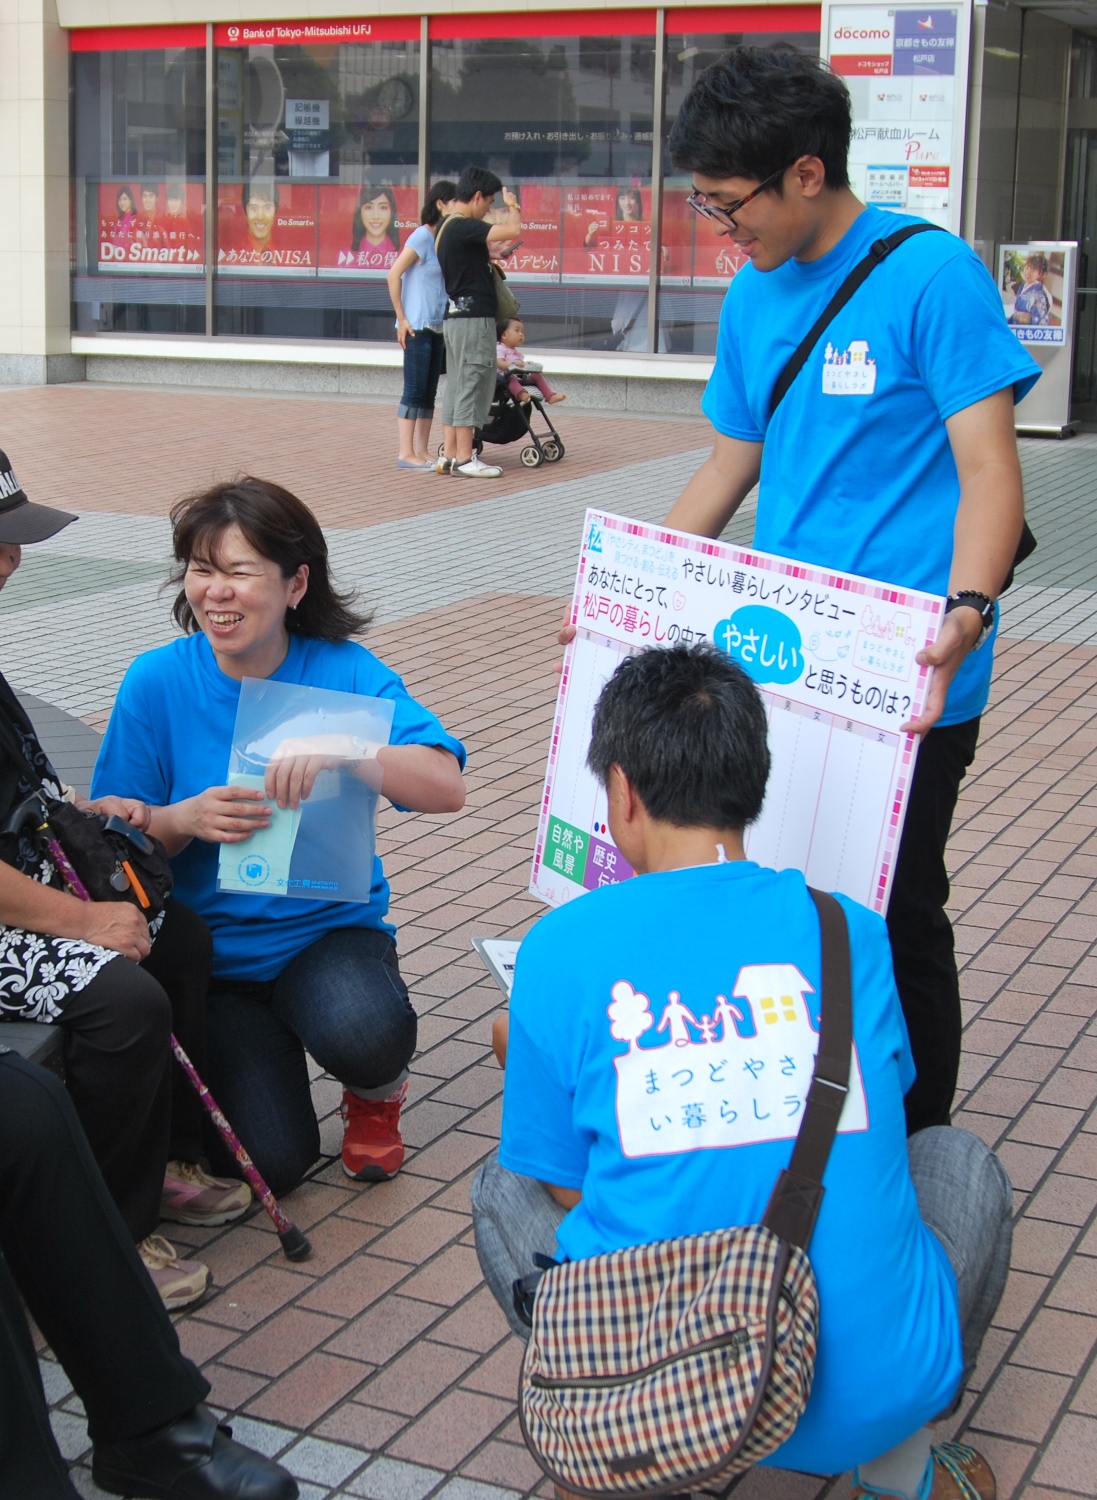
[511,420]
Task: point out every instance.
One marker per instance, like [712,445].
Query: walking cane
[295,1245]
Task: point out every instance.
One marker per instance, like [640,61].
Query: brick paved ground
[381,1368]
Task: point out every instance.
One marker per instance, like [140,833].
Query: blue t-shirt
[657,1023]
[422,289]
[857,471]
[169,738]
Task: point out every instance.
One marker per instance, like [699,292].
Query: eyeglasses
[726,216]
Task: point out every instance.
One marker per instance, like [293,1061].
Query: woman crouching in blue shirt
[290,976]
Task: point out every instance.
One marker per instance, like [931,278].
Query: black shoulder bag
[879,250]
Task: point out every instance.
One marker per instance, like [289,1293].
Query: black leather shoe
[190,1459]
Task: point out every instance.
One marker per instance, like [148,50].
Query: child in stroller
[521,393]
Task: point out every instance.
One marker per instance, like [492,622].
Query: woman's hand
[221,815]
[404,331]
[117,925]
[129,809]
[293,768]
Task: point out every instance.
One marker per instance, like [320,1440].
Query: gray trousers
[963,1193]
[470,371]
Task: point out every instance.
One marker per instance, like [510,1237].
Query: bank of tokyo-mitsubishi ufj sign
[906,68]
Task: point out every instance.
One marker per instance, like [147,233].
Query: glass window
[566,122]
[139,153]
[317,149]
[697,262]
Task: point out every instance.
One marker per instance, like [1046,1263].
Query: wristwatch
[983,604]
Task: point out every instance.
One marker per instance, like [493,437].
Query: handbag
[879,250]
[506,303]
[113,860]
[671,1365]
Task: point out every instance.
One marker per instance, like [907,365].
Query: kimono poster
[834,658]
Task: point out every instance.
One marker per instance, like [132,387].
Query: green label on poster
[566,850]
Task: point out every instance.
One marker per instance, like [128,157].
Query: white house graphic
[850,371]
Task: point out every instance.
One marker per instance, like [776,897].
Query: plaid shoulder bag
[666,1366]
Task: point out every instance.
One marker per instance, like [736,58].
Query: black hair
[265,188]
[504,323]
[367,194]
[279,527]
[444,191]
[475,180]
[131,195]
[1038,262]
[757,110]
[688,728]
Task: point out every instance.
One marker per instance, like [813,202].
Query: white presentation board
[834,657]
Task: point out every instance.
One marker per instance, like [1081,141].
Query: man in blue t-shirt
[661,1040]
[892,455]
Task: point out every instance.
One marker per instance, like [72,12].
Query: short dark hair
[279,527]
[688,728]
[475,180]
[444,190]
[756,110]
[504,323]
[261,187]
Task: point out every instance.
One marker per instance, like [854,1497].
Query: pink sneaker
[192,1196]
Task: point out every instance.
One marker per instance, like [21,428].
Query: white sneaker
[476,468]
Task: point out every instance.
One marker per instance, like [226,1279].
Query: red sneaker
[373,1150]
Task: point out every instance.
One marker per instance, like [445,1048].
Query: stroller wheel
[441,450]
[532,457]
[552,450]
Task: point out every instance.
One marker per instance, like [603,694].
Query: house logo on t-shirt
[848,372]
[734,1075]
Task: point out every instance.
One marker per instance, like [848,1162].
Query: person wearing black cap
[91,968]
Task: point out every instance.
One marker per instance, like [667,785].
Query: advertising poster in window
[1032,281]
[538,252]
[907,73]
[364,226]
[150,226]
[266,228]
[694,254]
[607,234]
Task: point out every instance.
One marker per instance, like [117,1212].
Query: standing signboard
[906,69]
[835,658]
[1037,284]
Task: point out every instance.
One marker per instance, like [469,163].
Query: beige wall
[34,172]
[163,12]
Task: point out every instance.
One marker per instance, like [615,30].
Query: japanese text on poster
[834,657]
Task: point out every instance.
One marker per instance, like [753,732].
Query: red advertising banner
[537,256]
[364,227]
[305,33]
[150,226]
[266,229]
[607,234]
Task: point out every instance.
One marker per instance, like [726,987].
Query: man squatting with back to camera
[915,482]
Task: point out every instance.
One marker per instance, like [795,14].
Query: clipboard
[499,955]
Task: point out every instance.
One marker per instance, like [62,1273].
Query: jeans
[963,1193]
[921,934]
[342,1000]
[423,359]
[67,1252]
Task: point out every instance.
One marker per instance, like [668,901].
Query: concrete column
[34,189]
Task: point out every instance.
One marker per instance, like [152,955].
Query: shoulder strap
[798,1192]
[878,251]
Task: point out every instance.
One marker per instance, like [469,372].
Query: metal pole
[210,239]
[424,107]
[657,127]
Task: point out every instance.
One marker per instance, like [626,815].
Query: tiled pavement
[380,1368]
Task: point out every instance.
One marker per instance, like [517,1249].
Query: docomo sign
[304,33]
[862,45]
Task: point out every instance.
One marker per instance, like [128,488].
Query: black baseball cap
[20,521]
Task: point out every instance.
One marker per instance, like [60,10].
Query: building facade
[211,191]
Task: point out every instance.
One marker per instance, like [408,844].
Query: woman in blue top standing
[419,299]
[289,975]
